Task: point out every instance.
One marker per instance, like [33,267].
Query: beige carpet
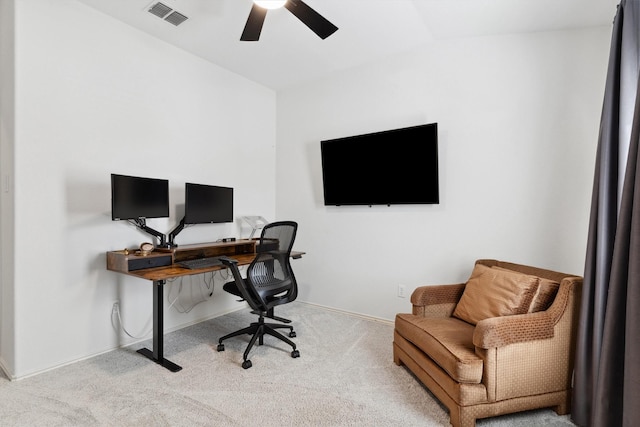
[344,377]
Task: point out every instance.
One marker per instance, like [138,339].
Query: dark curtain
[607,366]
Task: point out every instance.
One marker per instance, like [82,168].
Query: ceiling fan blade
[312,19]
[253,27]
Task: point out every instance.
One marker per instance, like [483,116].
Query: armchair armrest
[501,331]
[438,300]
[438,294]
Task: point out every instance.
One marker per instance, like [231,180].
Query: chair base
[258,330]
[270,315]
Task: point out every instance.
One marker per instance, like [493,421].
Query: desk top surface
[174,270]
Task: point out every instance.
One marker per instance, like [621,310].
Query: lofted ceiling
[289,54]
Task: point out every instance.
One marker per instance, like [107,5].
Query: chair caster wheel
[295,353]
[220,347]
[246,364]
[292,334]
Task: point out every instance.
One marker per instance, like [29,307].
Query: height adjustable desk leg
[158,330]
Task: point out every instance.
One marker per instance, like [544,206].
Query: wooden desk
[129,262]
[163,267]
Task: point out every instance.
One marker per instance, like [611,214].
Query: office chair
[266,242]
[270,282]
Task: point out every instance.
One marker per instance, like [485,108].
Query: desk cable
[208,280]
[205,288]
[116,311]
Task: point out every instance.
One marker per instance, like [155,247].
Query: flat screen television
[135,197]
[206,204]
[397,166]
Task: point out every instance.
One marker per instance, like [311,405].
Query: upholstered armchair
[502,342]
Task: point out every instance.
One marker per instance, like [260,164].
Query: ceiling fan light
[270,4]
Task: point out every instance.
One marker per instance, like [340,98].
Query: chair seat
[447,341]
[232,288]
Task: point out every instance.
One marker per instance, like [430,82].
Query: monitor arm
[141,223]
[174,233]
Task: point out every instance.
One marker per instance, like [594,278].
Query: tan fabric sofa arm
[437,300]
[505,330]
[501,331]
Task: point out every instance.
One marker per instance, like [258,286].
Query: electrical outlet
[401,291]
[116,306]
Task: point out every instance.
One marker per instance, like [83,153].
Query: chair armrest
[437,294]
[502,331]
[438,300]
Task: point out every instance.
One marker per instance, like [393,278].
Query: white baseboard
[177,328]
[350,313]
[71,362]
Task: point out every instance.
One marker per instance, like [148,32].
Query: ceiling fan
[309,17]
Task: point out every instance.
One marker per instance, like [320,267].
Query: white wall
[7,135]
[518,121]
[94,97]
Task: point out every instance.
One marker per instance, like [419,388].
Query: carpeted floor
[344,377]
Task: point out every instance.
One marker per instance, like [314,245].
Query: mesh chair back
[270,278]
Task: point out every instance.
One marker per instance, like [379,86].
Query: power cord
[208,283]
[206,288]
[116,311]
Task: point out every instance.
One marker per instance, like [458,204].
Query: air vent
[175,18]
[167,13]
[160,10]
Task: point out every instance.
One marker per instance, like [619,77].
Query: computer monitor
[135,197]
[207,204]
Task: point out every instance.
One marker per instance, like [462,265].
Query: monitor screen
[207,204]
[135,197]
[392,167]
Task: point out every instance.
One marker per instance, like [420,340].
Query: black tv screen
[135,197]
[397,166]
[207,204]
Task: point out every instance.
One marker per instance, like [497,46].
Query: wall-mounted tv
[397,166]
[206,204]
[135,197]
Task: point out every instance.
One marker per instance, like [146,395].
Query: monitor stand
[172,235]
[142,225]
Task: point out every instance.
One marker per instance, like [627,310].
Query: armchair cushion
[447,340]
[492,292]
[545,294]
[547,290]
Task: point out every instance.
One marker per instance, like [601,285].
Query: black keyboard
[193,264]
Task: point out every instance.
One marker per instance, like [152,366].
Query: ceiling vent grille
[167,13]
[175,18]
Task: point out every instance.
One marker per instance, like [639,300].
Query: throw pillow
[545,294]
[547,291]
[491,292]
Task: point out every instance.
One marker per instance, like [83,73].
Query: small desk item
[256,223]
